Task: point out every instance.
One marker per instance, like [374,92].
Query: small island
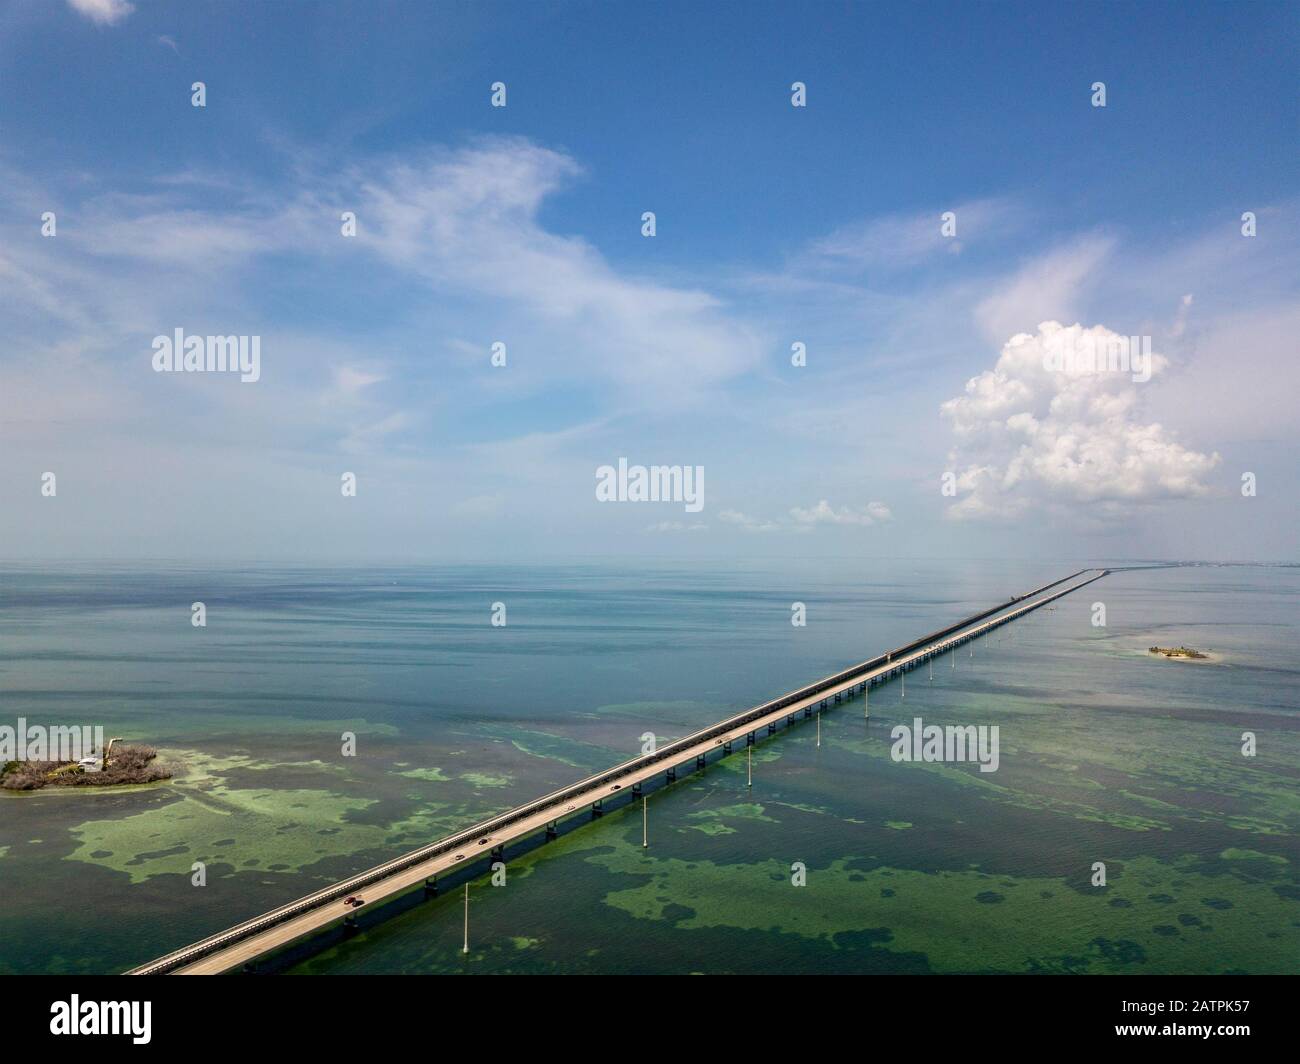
[125,765]
[1179,652]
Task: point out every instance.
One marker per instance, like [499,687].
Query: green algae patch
[221,826]
[712,821]
[209,818]
[970,921]
[429,775]
[482,779]
[1233,854]
[764,754]
[550,747]
[897,825]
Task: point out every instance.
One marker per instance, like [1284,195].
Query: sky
[947,224]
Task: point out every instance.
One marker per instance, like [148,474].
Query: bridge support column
[726,747]
[596,810]
[551,831]
[636,790]
[837,698]
[749,739]
[431,887]
[771,728]
[672,775]
[807,711]
[349,925]
[699,761]
[499,853]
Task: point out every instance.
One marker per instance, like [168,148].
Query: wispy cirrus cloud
[896,242]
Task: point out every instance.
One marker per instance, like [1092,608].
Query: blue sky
[522,224]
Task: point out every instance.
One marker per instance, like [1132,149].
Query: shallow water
[1107,755]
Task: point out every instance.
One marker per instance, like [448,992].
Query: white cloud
[1040,429]
[1046,288]
[900,241]
[744,521]
[105,12]
[467,221]
[676,526]
[806,519]
[825,514]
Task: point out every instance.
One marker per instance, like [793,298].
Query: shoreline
[1207,657]
[107,788]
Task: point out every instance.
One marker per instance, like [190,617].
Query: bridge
[243,944]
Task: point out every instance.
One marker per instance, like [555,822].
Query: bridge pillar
[349,924]
[672,775]
[771,728]
[499,853]
[596,810]
[699,761]
[807,711]
[749,739]
[551,831]
[636,790]
[837,699]
[726,747]
[431,887]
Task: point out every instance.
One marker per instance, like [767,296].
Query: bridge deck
[255,938]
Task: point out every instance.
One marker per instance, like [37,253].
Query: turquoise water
[1107,754]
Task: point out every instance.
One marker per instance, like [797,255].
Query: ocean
[1109,757]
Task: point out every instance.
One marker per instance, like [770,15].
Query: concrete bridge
[244,943]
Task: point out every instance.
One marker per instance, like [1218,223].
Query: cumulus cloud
[1056,422]
[105,12]
[825,514]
